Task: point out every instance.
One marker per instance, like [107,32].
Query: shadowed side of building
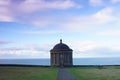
[61,55]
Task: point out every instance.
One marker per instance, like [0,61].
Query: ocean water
[76,61]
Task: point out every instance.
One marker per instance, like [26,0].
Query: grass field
[28,73]
[96,73]
[50,73]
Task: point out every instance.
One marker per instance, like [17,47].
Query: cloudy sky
[30,28]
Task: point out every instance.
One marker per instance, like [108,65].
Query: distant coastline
[76,61]
[23,65]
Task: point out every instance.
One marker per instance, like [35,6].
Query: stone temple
[61,55]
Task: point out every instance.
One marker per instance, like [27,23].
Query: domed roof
[61,46]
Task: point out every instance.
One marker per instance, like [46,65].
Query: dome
[61,46]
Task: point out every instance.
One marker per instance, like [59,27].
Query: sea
[76,61]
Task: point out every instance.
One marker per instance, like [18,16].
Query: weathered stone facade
[61,55]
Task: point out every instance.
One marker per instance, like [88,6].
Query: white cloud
[15,10]
[4,42]
[84,49]
[11,11]
[75,23]
[96,2]
[105,15]
[36,5]
[23,54]
[100,52]
[6,18]
[84,46]
[110,33]
[115,1]
[5,12]
[42,32]
[90,22]
[42,22]
[28,51]
[80,49]
[4,2]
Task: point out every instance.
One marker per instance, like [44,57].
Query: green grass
[96,73]
[28,73]
[50,73]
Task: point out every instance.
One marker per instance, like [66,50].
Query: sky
[31,28]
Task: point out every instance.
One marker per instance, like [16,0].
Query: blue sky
[30,28]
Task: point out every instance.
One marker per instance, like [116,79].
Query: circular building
[61,55]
